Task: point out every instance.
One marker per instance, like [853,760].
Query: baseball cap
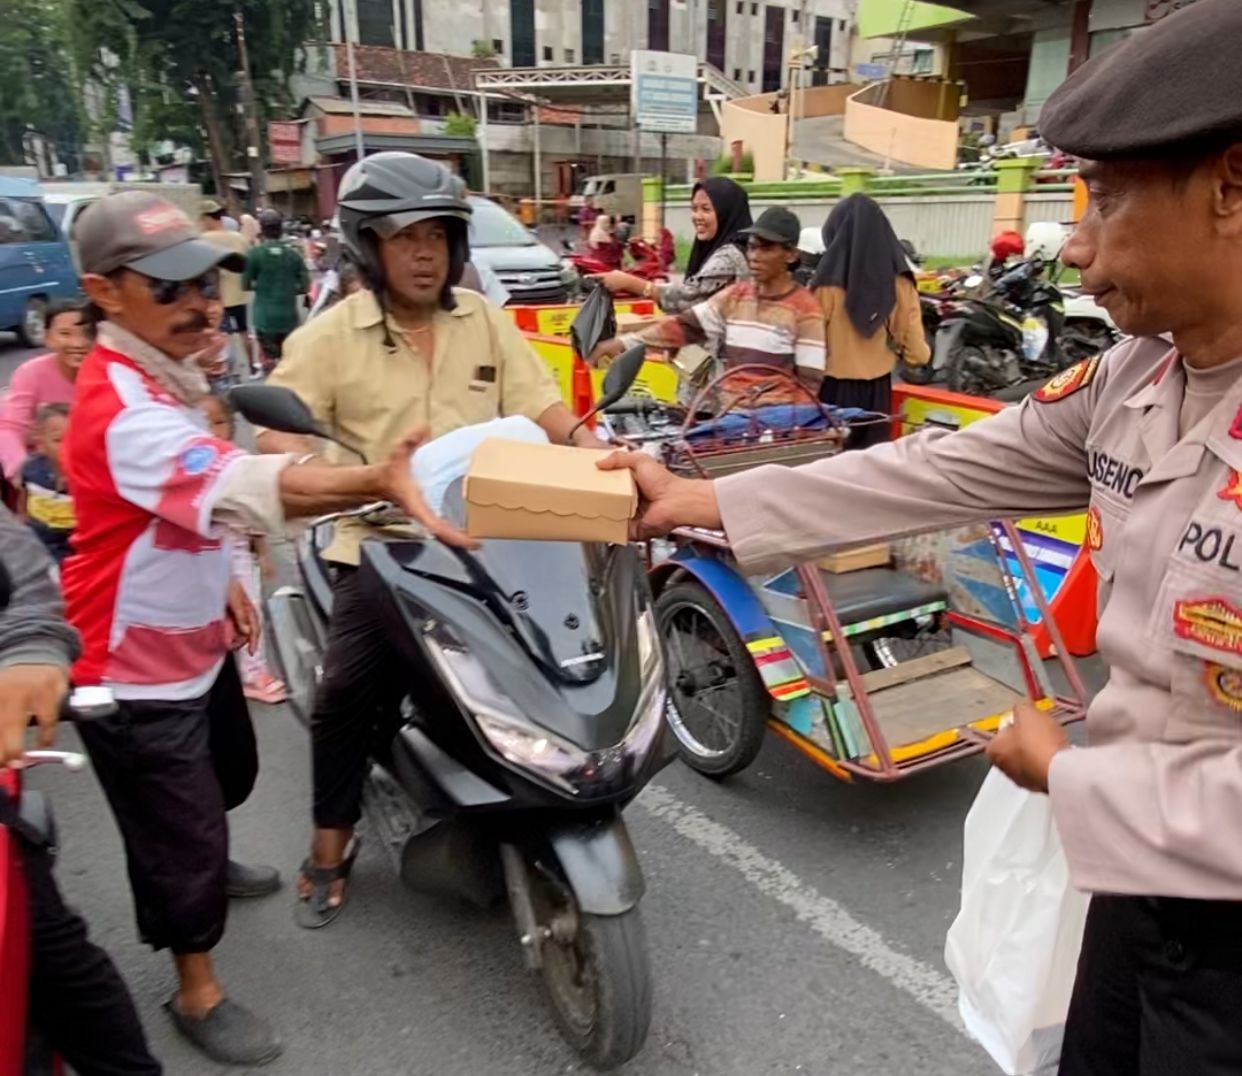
[209,207]
[140,231]
[777,225]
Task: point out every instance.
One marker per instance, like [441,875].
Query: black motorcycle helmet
[271,224]
[386,192]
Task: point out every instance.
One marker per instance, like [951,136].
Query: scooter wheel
[719,706]
[599,987]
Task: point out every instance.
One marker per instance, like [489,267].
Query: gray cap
[140,231]
[1176,86]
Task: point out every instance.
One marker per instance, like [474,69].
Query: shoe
[266,689]
[229,1034]
[248,881]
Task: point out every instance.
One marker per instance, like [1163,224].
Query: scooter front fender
[600,865]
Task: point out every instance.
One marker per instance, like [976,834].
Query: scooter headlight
[553,759]
[509,734]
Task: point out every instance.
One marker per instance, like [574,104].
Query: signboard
[871,71]
[665,91]
[284,140]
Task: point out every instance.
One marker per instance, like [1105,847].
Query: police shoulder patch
[1069,381]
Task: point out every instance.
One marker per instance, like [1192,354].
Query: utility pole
[254,155]
[351,23]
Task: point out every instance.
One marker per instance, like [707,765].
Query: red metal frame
[827,626]
[14,943]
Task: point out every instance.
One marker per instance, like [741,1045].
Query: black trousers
[356,704]
[870,394]
[170,771]
[1159,990]
[79,1003]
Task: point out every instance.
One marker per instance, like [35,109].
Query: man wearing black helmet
[412,349]
[277,275]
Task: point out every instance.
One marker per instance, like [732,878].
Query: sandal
[315,911]
[266,689]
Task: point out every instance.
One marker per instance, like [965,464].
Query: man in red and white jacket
[148,588]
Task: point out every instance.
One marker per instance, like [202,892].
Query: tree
[481,50]
[184,58]
[460,125]
[36,89]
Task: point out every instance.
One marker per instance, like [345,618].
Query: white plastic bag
[1013,947]
[437,464]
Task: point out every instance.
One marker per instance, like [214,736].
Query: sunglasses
[167,292]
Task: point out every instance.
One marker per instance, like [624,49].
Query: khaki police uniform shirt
[1154,805]
[482,368]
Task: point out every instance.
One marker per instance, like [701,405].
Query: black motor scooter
[535,713]
[1010,336]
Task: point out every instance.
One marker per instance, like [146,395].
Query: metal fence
[941,225]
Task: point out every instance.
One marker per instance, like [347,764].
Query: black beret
[1176,86]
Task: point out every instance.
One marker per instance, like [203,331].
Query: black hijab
[732,215]
[862,257]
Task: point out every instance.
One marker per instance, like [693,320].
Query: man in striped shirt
[769,320]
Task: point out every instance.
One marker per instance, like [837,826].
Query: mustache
[195,323]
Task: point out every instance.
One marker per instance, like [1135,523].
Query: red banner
[284,140]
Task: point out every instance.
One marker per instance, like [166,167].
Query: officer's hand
[1024,750]
[244,616]
[400,487]
[27,690]
[665,501]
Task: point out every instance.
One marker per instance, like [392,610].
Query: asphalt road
[796,925]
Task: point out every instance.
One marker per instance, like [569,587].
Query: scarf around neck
[184,380]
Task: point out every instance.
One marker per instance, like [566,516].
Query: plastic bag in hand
[595,321]
[439,463]
[1013,947]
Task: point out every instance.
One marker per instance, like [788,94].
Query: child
[46,504]
[249,552]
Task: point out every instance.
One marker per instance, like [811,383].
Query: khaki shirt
[1154,805]
[482,368]
[231,291]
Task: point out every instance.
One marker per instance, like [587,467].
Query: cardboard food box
[519,490]
[876,555]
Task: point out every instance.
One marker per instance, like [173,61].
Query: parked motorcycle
[535,715]
[645,259]
[987,344]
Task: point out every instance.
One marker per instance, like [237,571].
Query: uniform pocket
[1197,619]
[1105,523]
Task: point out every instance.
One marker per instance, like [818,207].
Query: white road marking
[932,989]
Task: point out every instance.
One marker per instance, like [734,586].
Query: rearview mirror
[621,375]
[274,408]
[617,381]
[973,281]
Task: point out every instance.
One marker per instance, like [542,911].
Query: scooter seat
[879,592]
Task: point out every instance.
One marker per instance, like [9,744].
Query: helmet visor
[391,223]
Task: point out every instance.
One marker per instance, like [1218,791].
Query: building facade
[746,40]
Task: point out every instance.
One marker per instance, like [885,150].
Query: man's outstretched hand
[29,691]
[400,487]
[665,501]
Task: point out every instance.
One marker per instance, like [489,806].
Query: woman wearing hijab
[865,288]
[719,211]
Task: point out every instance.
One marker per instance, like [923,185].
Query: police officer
[1149,438]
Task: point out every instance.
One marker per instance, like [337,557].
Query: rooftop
[340,106]
[427,70]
